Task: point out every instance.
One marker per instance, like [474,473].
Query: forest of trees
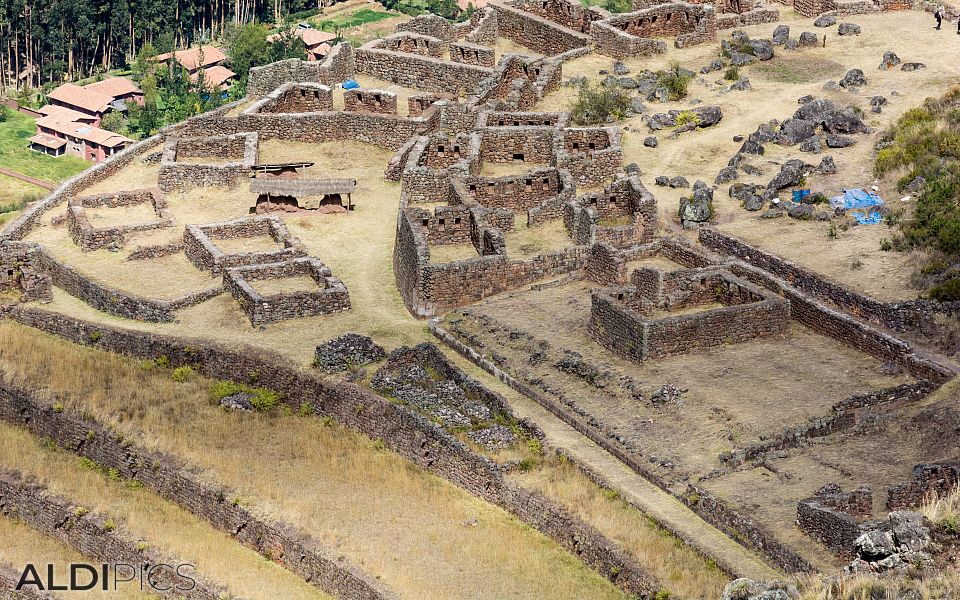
[51,41]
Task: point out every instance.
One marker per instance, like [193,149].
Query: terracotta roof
[190,59]
[114,87]
[214,76]
[477,4]
[312,37]
[84,131]
[63,113]
[85,98]
[321,51]
[48,140]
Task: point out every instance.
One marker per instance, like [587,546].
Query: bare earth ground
[776,86]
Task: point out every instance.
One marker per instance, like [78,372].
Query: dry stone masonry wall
[232,157]
[89,237]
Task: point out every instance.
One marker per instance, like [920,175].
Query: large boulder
[801,212]
[678,182]
[848,29]
[697,210]
[347,351]
[650,141]
[762,49]
[812,145]
[794,131]
[815,110]
[808,39]
[748,589]
[845,121]
[709,115]
[913,66]
[620,69]
[740,59]
[741,85]
[877,103]
[791,174]
[726,175]
[827,166]
[825,21]
[780,35]
[749,194]
[853,78]
[890,60]
[839,141]
[715,65]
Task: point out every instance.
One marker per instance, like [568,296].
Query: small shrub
[856,264]
[599,104]
[886,245]
[306,410]
[162,361]
[142,546]
[676,80]
[688,116]
[80,511]
[182,374]
[109,525]
[134,484]
[947,291]
[58,407]
[95,337]
[950,524]
[732,73]
[91,434]
[113,474]
[264,399]
[88,464]
[818,198]
[378,445]
[832,231]
[534,445]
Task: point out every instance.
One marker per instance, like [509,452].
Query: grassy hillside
[16,155]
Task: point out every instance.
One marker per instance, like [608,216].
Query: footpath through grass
[16,155]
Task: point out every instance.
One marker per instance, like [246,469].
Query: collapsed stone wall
[517,83]
[241,150]
[417,104]
[338,66]
[472,54]
[536,32]
[21,271]
[201,249]
[88,237]
[411,435]
[374,101]
[421,72]
[295,98]
[832,517]
[90,535]
[929,481]
[10,578]
[330,296]
[173,481]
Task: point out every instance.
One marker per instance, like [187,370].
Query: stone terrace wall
[170,479]
[535,32]
[421,72]
[56,517]
[178,176]
[374,101]
[830,516]
[472,54]
[412,436]
[336,68]
[10,577]
[330,296]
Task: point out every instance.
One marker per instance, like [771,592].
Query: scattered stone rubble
[346,352]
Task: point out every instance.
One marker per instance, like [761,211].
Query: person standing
[939,16]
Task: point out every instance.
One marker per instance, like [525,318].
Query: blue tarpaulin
[350,84]
[864,206]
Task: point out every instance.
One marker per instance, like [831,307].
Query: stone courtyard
[649,280]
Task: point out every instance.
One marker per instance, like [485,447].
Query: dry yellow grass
[287,285]
[445,253]
[125,215]
[395,520]
[259,243]
[683,572]
[20,545]
[167,528]
[525,242]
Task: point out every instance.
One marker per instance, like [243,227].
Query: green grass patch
[262,399]
[363,16]
[16,155]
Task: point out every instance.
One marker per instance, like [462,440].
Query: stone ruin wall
[330,296]
[417,104]
[89,238]
[832,517]
[371,101]
[201,248]
[295,98]
[533,145]
[472,54]
[593,155]
[412,43]
[544,189]
[571,15]
[164,475]
[88,533]
[625,197]
[929,481]
[535,32]
[175,176]
[410,435]
[688,23]
[21,273]
[522,119]
[336,68]
[420,72]
[434,161]
[485,30]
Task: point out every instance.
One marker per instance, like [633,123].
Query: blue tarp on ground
[350,84]
[864,205]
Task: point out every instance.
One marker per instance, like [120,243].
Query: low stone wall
[757,16]
[330,296]
[831,517]
[294,98]
[174,175]
[615,42]
[929,481]
[421,72]
[336,68]
[535,32]
[89,534]
[412,436]
[472,54]
[491,118]
[413,43]
[88,237]
[201,248]
[166,476]
[688,23]
[372,101]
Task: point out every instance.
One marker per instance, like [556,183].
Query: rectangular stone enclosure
[329,296]
[88,237]
[663,314]
[200,243]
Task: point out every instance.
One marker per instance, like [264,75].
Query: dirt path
[644,495]
[32,181]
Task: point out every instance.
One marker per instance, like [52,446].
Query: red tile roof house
[207,58]
[317,42]
[57,134]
